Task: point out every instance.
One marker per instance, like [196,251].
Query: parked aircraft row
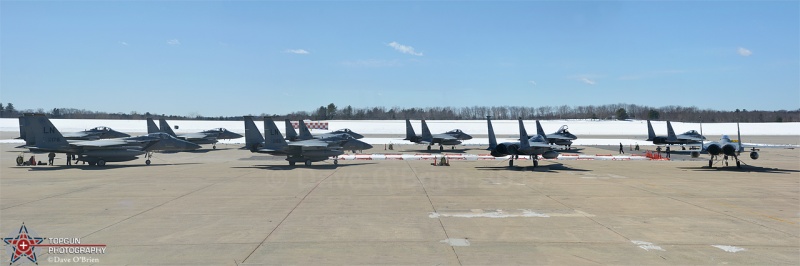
[104,145]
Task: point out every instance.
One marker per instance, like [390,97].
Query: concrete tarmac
[230,206]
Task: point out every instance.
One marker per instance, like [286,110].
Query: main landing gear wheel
[291,163]
[429,147]
[535,163]
[92,163]
[101,163]
[709,163]
[441,148]
[214,147]
[738,165]
[308,162]
[510,163]
[147,162]
[335,162]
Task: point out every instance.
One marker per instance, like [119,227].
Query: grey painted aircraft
[726,147]
[89,134]
[306,151]
[691,137]
[305,133]
[562,137]
[532,147]
[449,138]
[345,135]
[211,136]
[47,138]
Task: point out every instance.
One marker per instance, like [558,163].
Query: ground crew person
[50,158]
[667,151]
[621,151]
[69,158]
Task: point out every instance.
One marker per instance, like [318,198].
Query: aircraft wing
[312,144]
[74,135]
[443,137]
[101,143]
[689,138]
[192,136]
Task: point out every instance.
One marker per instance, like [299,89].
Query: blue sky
[251,57]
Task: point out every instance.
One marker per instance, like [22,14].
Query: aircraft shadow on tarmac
[329,166]
[556,167]
[745,168]
[95,167]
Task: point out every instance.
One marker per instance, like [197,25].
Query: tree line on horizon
[332,112]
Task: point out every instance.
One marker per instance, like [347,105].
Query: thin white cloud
[296,51]
[744,52]
[174,42]
[533,83]
[404,49]
[372,63]
[124,43]
[588,81]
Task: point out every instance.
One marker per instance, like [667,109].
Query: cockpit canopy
[101,128]
[691,132]
[344,130]
[563,129]
[219,129]
[454,131]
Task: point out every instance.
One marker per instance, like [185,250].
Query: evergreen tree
[622,114]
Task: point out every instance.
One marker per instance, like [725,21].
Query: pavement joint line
[434,210]
[715,211]
[590,218]
[53,196]
[159,205]
[288,214]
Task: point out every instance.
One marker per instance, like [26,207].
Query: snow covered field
[584,129]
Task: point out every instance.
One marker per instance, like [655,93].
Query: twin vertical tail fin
[671,133]
[524,142]
[23,125]
[290,133]
[273,138]
[151,126]
[426,133]
[651,134]
[410,135]
[739,136]
[304,132]
[165,127]
[492,138]
[539,129]
[45,135]
[252,136]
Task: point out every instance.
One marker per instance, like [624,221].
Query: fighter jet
[305,134]
[533,147]
[726,147]
[89,134]
[690,137]
[450,138]
[562,137]
[47,138]
[210,136]
[307,151]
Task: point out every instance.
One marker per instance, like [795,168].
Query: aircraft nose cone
[467,136]
[236,135]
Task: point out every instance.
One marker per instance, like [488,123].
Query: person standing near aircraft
[667,150]
[621,151]
[50,158]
